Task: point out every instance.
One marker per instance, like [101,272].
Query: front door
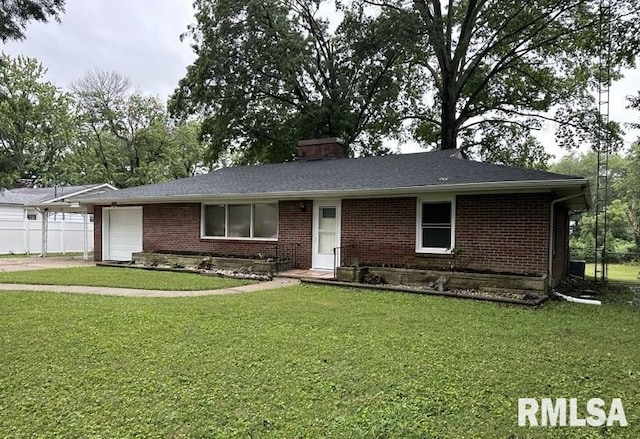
[326,233]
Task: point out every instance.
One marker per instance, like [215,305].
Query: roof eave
[462,188]
[59,207]
[80,192]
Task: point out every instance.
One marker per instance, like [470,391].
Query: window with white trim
[241,221]
[436,231]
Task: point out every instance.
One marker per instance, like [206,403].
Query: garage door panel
[125,233]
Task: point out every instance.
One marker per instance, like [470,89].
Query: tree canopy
[127,138]
[623,211]
[271,72]
[101,132]
[36,123]
[15,14]
[481,75]
[498,69]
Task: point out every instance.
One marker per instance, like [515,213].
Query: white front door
[326,233]
[122,232]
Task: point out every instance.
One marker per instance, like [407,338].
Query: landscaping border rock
[442,280]
[535,299]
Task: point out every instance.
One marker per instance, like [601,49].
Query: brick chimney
[321,149]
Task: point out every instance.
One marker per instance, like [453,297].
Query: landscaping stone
[443,280]
[245,266]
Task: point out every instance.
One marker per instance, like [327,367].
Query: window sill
[223,238]
[434,251]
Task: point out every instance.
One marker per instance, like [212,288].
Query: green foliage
[127,138]
[505,144]
[15,14]
[36,123]
[306,362]
[271,72]
[628,188]
[120,278]
[624,198]
[498,69]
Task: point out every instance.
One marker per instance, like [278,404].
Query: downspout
[552,231]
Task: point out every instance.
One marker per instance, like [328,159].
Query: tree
[271,72]
[623,196]
[628,186]
[15,14]
[506,63]
[126,138]
[36,123]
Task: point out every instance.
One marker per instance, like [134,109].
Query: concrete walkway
[131,292]
[36,263]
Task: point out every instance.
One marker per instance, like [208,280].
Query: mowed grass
[308,362]
[120,278]
[627,273]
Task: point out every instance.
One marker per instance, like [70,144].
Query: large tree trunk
[449,97]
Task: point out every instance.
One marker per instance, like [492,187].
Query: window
[214,220]
[239,221]
[435,232]
[32,215]
[248,221]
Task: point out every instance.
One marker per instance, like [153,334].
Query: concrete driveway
[37,263]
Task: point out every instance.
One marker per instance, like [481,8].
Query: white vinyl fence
[21,231]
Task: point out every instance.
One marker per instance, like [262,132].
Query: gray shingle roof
[27,195]
[430,169]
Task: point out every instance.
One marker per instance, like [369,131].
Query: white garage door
[125,233]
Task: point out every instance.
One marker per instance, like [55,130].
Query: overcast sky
[140,39]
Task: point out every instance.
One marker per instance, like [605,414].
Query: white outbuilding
[47,220]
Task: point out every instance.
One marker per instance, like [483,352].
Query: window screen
[239,220]
[265,220]
[436,225]
[214,220]
[258,220]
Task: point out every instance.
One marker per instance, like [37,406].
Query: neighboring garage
[121,232]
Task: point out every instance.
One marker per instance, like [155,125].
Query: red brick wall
[176,227]
[505,233]
[321,149]
[496,233]
[295,228]
[561,246]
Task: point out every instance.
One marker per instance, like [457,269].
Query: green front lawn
[120,278]
[306,362]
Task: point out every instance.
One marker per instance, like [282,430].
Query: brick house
[426,210]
